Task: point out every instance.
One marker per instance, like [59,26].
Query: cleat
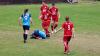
[48,35]
[24,41]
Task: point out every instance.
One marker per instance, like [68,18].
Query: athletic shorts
[45,24]
[55,19]
[67,38]
[25,27]
[49,22]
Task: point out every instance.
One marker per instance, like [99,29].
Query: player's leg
[55,23]
[48,24]
[45,27]
[47,31]
[65,44]
[52,25]
[68,40]
[66,47]
[25,35]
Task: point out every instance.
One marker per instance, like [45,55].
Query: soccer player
[45,17]
[26,20]
[55,15]
[44,8]
[46,22]
[68,33]
[37,34]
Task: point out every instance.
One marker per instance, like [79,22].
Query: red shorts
[45,24]
[48,22]
[55,19]
[67,38]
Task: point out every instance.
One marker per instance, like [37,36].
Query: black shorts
[25,27]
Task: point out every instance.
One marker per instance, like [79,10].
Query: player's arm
[73,32]
[31,20]
[19,21]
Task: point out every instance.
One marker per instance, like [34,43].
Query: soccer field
[86,18]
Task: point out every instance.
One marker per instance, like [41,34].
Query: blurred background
[38,1]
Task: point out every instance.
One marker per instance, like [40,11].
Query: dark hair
[53,4]
[43,1]
[67,18]
[25,11]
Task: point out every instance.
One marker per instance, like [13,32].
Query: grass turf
[84,15]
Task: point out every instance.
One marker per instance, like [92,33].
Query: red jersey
[54,11]
[44,9]
[46,16]
[67,26]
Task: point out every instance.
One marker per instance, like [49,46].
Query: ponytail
[25,11]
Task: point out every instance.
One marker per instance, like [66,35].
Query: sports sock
[25,36]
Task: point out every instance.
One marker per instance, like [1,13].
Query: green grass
[86,18]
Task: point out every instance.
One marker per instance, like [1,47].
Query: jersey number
[25,17]
[68,27]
